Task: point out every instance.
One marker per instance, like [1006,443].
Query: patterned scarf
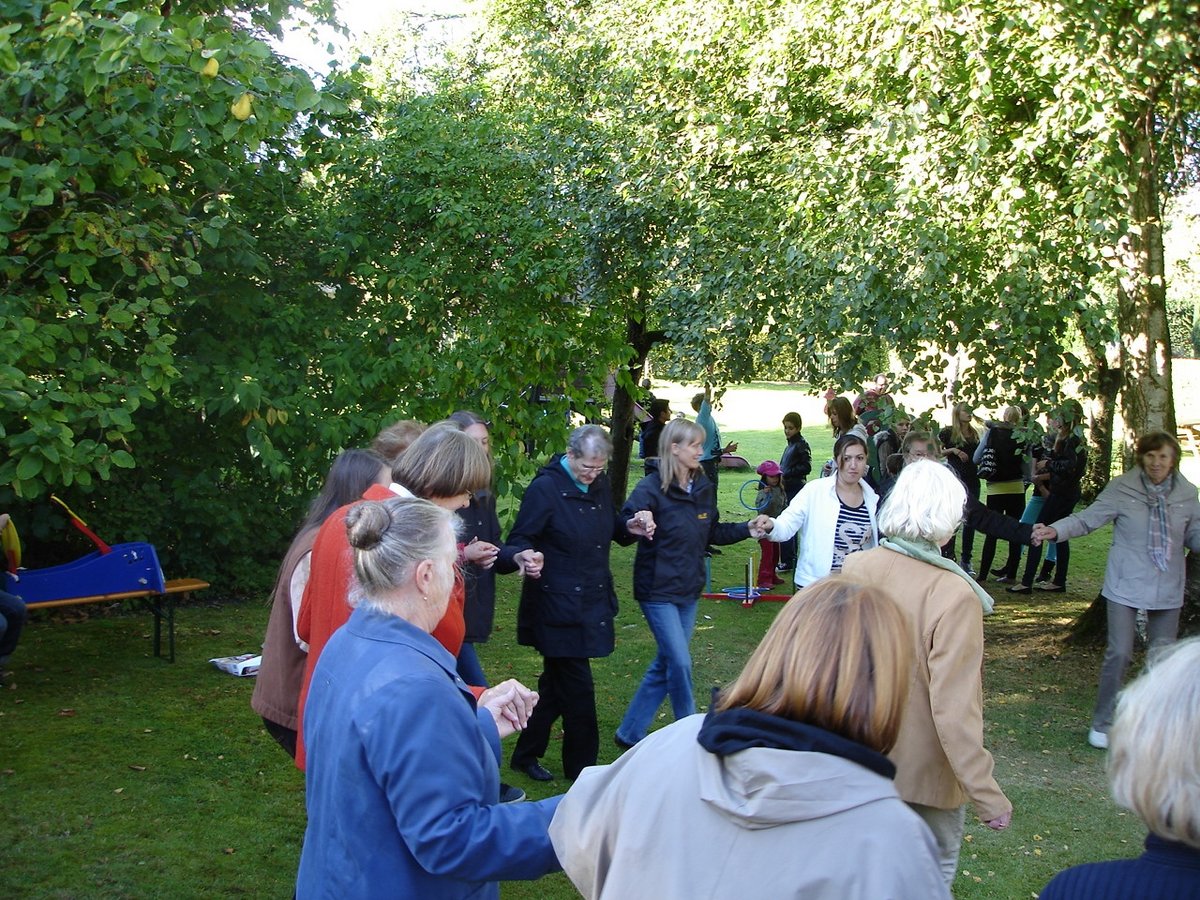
[927,552]
[1160,536]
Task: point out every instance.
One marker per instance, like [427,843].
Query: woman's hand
[1000,822]
[1044,533]
[511,704]
[529,562]
[761,526]
[641,523]
[480,553]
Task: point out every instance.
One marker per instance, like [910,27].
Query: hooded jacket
[670,819]
[671,566]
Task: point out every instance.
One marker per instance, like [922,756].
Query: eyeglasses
[596,470]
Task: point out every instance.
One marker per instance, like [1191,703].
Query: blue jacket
[568,612]
[403,776]
[1168,870]
[671,567]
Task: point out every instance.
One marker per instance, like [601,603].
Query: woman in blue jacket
[403,773]
[668,571]
[567,609]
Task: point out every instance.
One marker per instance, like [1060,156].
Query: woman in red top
[444,466]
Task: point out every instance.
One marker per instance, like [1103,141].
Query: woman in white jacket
[833,516]
[1155,514]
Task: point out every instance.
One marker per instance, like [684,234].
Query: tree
[158,273]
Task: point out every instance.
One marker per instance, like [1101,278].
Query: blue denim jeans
[469,668]
[671,672]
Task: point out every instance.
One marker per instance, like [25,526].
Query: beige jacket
[940,758]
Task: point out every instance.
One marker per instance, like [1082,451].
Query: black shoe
[510,794]
[536,771]
[999,571]
[713,551]
[621,742]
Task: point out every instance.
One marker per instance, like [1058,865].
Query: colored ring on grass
[742,495]
[739,593]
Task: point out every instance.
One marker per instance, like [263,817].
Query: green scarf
[928,552]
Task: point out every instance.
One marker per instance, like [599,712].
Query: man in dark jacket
[567,515]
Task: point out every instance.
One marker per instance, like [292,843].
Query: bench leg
[157,607]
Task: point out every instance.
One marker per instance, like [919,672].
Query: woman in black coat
[567,515]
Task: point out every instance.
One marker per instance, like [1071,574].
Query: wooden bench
[1188,435]
[160,605]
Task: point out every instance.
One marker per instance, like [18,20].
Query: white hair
[1154,763]
[926,503]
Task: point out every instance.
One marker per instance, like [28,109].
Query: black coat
[671,567]
[479,521]
[796,463]
[568,612]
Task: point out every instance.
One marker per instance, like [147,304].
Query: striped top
[852,533]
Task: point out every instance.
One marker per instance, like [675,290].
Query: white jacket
[813,513]
[671,821]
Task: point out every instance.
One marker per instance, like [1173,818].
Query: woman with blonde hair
[939,754]
[783,789]
[668,569]
[960,440]
[1154,770]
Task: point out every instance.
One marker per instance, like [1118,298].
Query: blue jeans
[469,668]
[671,672]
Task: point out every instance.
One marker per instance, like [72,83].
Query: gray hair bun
[366,524]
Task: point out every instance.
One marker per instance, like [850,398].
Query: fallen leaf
[138,768]
[229,850]
[119,790]
[66,712]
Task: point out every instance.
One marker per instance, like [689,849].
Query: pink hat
[770,467]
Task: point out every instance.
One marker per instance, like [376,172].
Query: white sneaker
[1098,739]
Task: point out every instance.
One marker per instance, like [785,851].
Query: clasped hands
[641,524]
[1044,533]
[761,526]
[511,704]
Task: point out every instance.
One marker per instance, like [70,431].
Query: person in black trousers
[566,613]
[796,464]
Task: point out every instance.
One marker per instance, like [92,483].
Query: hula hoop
[742,495]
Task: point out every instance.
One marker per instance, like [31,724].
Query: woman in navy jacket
[668,571]
[566,611]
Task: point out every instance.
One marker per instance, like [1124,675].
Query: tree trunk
[620,427]
[1091,628]
[1141,293]
[1106,382]
[621,424]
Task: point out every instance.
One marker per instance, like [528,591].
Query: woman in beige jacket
[940,759]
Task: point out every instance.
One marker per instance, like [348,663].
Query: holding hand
[480,553]
[761,526]
[642,524]
[529,562]
[511,704]
[1043,533]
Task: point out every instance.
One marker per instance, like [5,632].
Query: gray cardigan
[1131,578]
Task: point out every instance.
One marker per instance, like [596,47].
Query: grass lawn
[122,775]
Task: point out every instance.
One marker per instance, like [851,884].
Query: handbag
[987,464]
